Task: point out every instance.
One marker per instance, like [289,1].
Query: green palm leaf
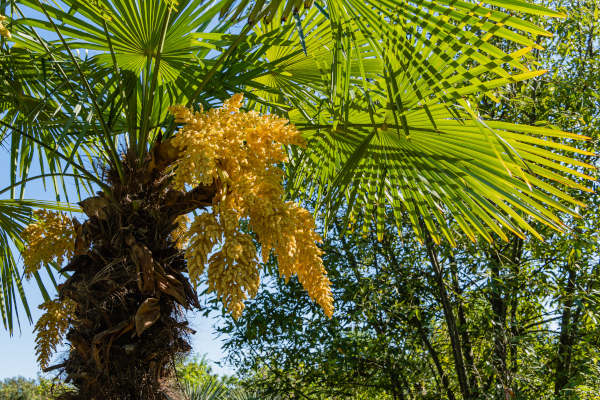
[381,89]
[14,216]
[389,125]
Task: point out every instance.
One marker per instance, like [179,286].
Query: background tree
[526,311]
[31,389]
[18,389]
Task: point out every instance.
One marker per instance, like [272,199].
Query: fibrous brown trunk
[514,304]
[129,286]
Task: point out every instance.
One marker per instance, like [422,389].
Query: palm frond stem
[107,137]
[117,72]
[75,165]
[218,63]
[41,176]
[147,105]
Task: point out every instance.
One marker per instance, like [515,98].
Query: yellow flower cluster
[172,4]
[51,328]
[3,31]
[233,269]
[241,153]
[50,238]
[179,234]
[290,232]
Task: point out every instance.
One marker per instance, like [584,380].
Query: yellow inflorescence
[241,152]
[50,238]
[179,234]
[51,328]
[3,30]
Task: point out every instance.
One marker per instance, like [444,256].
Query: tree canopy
[526,312]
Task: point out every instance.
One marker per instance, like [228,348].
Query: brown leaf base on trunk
[129,286]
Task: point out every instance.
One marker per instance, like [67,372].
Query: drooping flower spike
[241,152]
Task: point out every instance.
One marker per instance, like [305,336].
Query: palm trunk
[503,295]
[130,290]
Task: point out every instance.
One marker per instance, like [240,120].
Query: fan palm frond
[383,91]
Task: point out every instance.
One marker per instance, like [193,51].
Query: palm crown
[382,91]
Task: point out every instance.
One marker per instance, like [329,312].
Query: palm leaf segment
[264,9]
[14,216]
[380,88]
[384,95]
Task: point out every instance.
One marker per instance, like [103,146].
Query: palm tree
[212,389]
[382,91]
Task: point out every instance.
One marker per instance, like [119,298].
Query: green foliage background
[527,311]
